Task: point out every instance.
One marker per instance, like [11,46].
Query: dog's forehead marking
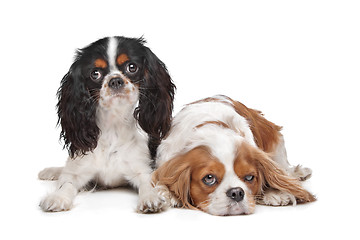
[122,58]
[100,63]
[224,148]
[112,52]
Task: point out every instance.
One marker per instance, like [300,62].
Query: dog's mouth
[119,95]
[232,208]
[237,209]
[123,92]
[110,97]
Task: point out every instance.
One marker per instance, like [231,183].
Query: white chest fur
[122,151]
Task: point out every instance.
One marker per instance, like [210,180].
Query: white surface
[297,62]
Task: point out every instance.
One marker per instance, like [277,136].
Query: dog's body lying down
[222,157]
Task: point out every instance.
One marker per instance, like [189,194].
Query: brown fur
[100,63]
[219,123]
[183,176]
[244,165]
[122,58]
[270,175]
[266,134]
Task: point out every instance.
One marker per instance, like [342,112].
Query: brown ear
[276,178]
[175,174]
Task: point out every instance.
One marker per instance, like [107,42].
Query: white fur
[111,52]
[277,198]
[220,204]
[184,135]
[121,155]
[222,142]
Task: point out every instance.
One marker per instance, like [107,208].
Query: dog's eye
[209,180]
[132,68]
[249,178]
[95,75]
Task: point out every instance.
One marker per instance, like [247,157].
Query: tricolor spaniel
[222,157]
[114,107]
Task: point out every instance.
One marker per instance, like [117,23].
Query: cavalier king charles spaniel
[114,107]
[222,158]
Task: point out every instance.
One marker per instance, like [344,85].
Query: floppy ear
[175,174]
[275,177]
[156,100]
[76,112]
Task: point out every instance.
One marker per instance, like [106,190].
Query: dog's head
[115,74]
[226,179]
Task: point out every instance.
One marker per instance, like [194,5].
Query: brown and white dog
[222,158]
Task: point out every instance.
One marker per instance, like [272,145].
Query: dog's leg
[274,197]
[164,191]
[280,156]
[51,173]
[150,198]
[75,175]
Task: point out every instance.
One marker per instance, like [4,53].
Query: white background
[297,61]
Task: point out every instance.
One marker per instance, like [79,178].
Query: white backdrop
[297,61]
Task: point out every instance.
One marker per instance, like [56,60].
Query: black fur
[156,101]
[78,96]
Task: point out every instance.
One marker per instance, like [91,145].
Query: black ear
[76,111]
[156,100]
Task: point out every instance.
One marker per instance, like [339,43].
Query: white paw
[170,198]
[152,201]
[301,173]
[277,198]
[52,173]
[56,202]
[174,202]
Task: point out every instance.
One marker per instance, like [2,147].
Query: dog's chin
[122,97]
[237,210]
[231,209]
[119,99]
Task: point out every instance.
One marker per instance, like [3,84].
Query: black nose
[116,83]
[236,194]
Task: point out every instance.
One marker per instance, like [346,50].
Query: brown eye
[95,75]
[209,180]
[132,68]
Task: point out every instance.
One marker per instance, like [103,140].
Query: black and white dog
[114,107]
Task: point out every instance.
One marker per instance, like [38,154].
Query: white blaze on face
[224,148]
[112,52]
[124,98]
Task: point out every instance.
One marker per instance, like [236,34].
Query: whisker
[94,95]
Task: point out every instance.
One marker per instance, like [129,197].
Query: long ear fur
[76,112]
[175,174]
[156,100]
[276,178]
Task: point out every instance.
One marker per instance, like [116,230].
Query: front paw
[51,173]
[277,198]
[152,201]
[55,202]
[170,197]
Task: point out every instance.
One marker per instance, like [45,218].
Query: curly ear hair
[76,112]
[156,100]
[175,174]
[274,177]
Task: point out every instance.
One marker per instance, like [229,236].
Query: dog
[114,107]
[222,158]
